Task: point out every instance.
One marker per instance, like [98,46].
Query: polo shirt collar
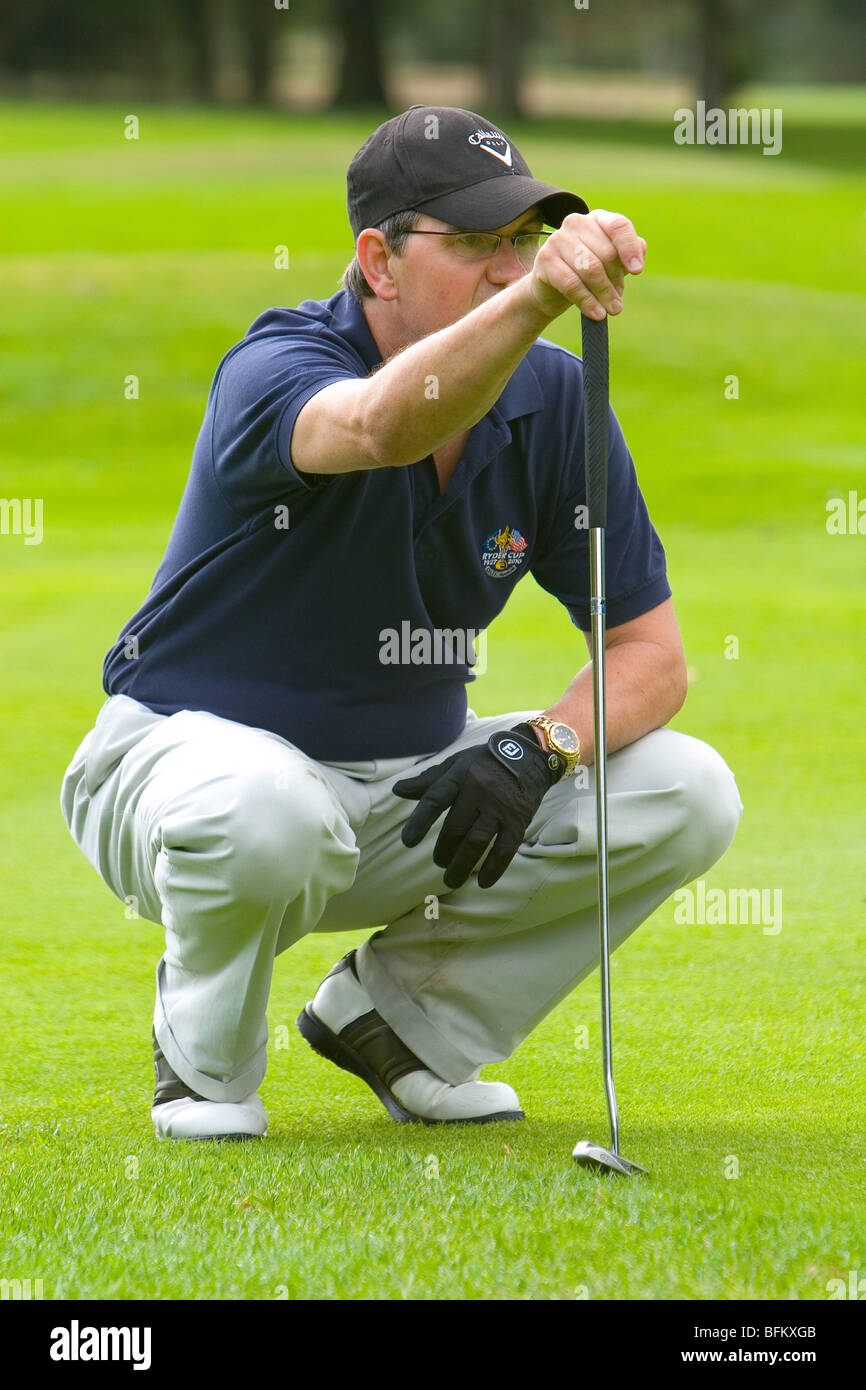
[349,322]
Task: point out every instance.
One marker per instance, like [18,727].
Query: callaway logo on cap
[452,164]
[493,143]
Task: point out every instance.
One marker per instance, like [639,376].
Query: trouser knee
[272,837]
[708,801]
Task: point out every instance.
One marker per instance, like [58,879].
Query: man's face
[436,287]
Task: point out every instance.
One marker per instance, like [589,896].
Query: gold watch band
[570,758]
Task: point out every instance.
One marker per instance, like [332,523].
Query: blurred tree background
[511,57]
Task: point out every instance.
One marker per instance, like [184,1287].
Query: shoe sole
[332,1047]
[205,1138]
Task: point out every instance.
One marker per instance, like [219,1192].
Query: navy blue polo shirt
[337,610]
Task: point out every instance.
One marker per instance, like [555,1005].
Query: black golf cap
[452,164]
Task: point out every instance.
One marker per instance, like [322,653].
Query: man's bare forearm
[645,688]
[437,388]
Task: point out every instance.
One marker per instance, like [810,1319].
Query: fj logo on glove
[509,749]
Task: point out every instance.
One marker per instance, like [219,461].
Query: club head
[590,1155]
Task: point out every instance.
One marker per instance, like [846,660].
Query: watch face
[565,738]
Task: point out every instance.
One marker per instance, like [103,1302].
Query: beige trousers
[239,844]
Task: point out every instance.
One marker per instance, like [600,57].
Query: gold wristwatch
[561,739]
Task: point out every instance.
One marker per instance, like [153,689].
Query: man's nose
[505,265]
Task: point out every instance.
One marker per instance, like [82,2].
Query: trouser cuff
[410,1023]
[232,1089]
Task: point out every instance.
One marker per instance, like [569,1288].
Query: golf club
[595,388]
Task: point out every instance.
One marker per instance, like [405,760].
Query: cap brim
[496,202]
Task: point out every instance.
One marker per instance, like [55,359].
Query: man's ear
[374,258]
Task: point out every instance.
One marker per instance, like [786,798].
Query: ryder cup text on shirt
[76,1343]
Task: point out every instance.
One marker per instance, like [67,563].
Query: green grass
[735,1049]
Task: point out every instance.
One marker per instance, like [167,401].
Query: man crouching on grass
[401,453]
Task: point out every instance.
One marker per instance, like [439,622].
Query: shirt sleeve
[258,394]
[636,573]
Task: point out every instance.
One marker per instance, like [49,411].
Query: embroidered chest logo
[503,553]
[493,143]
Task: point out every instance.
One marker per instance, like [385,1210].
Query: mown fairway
[739,1050]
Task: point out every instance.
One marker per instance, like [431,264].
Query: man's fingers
[457,825]
[434,801]
[630,248]
[589,257]
[460,863]
[598,256]
[600,284]
[418,782]
[576,270]
[497,861]
[413,787]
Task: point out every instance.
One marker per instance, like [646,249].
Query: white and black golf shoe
[342,1025]
[180,1113]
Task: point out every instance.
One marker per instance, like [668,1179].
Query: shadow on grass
[708,1148]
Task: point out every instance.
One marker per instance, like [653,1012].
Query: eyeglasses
[479,246]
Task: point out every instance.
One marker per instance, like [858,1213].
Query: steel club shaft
[596,410]
[597,614]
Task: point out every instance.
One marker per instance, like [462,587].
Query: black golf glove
[493,790]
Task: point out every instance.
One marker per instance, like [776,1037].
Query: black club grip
[595,411]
